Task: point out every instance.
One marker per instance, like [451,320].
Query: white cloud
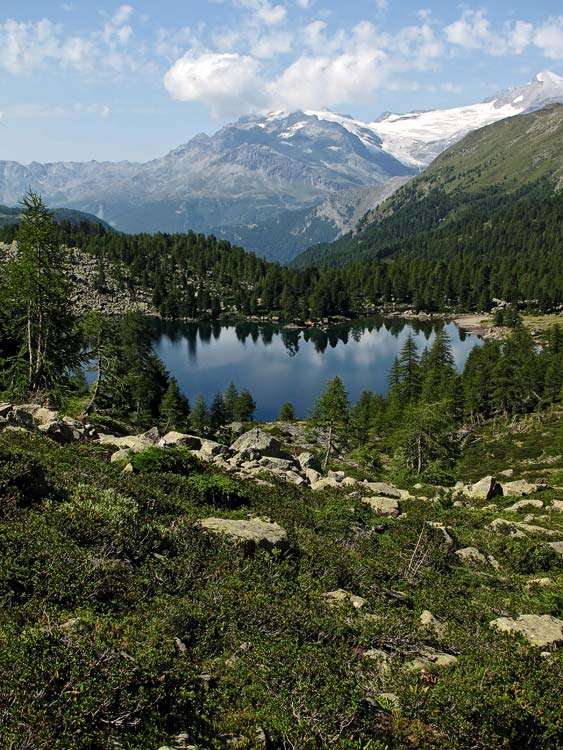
[227,83]
[303,4]
[549,38]
[264,12]
[473,31]
[382,5]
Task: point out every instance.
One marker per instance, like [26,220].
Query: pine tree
[409,371]
[287,412]
[331,412]
[217,412]
[200,416]
[439,376]
[174,408]
[230,400]
[37,295]
[245,407]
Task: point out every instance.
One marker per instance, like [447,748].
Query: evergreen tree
[200,416]
[230,401]
[287,412]
[439,377]
[331,412]
[408,371]
[37,295]
[174,408]
[245,407]
[217,412]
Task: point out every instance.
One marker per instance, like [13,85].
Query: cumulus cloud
[264,12]
[226,82]
[549,38]
[473,31]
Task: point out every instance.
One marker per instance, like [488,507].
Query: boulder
[211,448]
[485,489]
[281,464]
[508,473]
[5,410]
[121,455]
[383,506]
[341,596]
[19,417]
[539,630]
[180,438]
[260,441]
[529,528]
[556,505]
[151,436]
[312,476]
[383,489]
[501,526]
[542,583]
[382,659]
[522,504]
[44,416]
[430,657]
[294,478]
[323,483]
[59,431]
[307,460]
[254,532]
[471,556]
[135,442]
[521,487]
[338,475]
[447,539]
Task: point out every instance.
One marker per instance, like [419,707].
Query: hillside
[11,215]
[503,181]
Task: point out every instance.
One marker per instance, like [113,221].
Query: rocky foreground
[258,456]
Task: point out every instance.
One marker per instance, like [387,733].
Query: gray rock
[121,455]
[151,436]
[383,506]
[211,448]
[312,476]
[281,464]
[382,659]
[21,418]
[539,630]
[501,526]
[59,431]
[556,505]
[5,409]
[307,460]
[471,556]
[294,478]
[430,657]
[323,483]
[448,541]
[260,441]
[522,504]
[485,489]
[521,487]
[180,438]
[255,532]
[383,489]
[508,473]
[542,583]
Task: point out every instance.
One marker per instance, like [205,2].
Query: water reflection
[279,365]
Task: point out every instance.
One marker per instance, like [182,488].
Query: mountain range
[275,183]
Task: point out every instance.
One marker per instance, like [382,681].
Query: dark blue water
[278,365]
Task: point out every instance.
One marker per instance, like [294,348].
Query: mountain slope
[518,159]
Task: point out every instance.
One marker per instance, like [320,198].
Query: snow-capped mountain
[277,182]
[416,138]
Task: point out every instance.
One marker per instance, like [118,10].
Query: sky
[92,79]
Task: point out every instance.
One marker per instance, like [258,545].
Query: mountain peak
[549,77]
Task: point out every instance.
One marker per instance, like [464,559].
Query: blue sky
[103,80]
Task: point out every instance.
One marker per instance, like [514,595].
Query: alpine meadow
[281,438]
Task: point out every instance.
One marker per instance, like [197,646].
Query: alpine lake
[278,364]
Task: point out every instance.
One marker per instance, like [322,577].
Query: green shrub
[22,478]
[216,489]
[163,460]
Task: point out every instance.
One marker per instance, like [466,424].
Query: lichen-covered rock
[59,431]
[341,596]
[323,483]
[254,532]
[428,621]
[383,506]
[521,487]
[485,489]
[307,460]
[502,526]
[539,630]
[174,438]
[260,441]
[557,547]
[382,489]
[471,556]
[523,504]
